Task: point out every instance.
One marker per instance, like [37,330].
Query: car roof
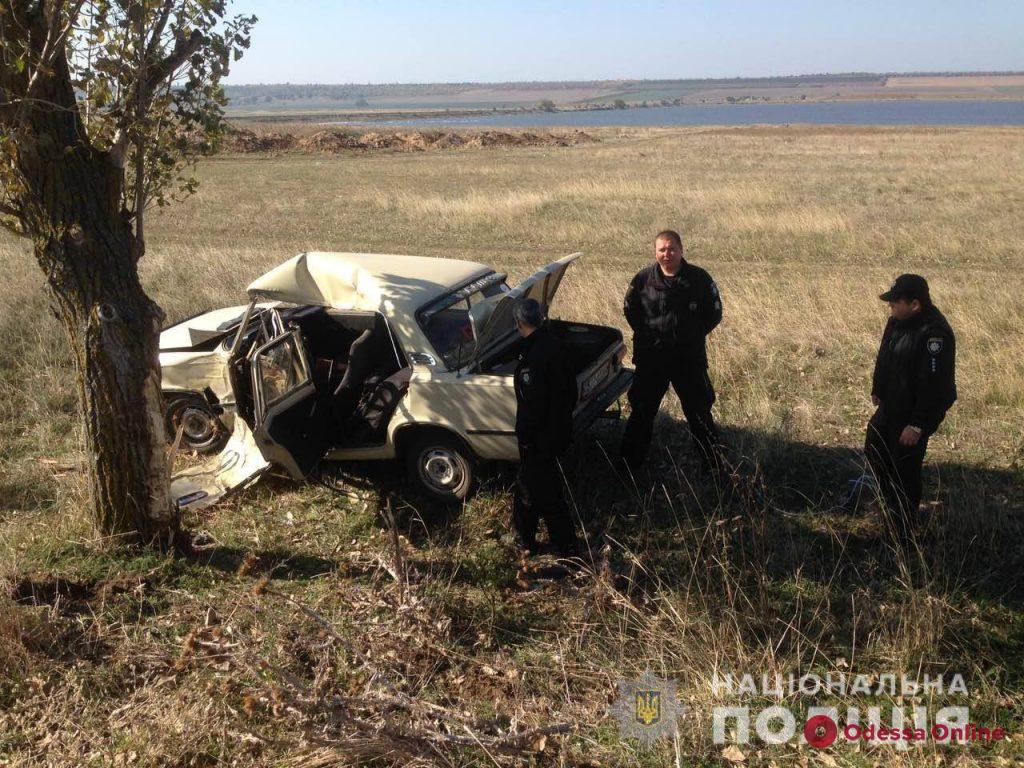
[389,283]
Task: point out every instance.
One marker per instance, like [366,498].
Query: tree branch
[43,102]
[158,28]
[143,90]
[52,45]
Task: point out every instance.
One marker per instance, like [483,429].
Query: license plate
[596,379]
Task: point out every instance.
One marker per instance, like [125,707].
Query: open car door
[492,318]
[288,430]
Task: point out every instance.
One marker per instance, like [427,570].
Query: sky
[400,41]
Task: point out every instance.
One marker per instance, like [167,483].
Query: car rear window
[446,321]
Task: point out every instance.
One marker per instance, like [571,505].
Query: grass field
[324,628]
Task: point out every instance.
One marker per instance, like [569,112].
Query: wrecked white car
[344,356]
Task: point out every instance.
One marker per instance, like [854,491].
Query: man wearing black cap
[913,386]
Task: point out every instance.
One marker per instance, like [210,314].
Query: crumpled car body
[344,356]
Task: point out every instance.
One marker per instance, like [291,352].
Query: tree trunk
[70,200]
[113,330]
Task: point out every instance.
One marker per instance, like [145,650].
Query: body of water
[817,113]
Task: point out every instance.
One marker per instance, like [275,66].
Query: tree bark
[70,204]
[112,328]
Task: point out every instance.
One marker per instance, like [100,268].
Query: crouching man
[913,385]
[545,399]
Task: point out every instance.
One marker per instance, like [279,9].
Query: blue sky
[360,41]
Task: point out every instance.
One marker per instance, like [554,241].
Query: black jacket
[915,372]
[671,316]
[545,394]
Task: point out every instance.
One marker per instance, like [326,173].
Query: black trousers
[898,470]
[696,395]
[539,494]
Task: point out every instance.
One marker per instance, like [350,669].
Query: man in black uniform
[545,398]
[671,306]
[913,385]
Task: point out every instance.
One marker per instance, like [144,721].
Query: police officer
[671,306]
[913,385]
[545,399]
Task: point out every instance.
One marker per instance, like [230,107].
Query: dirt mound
[528,139]
[448,140]
[243,140]
[331,141]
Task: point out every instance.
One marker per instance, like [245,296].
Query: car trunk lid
[492,318]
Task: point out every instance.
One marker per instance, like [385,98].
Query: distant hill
[368,98]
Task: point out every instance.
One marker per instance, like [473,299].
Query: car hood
[201,328]
[492,318]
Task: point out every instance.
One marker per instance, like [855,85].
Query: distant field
[109,658]
[965,81]
[255,100]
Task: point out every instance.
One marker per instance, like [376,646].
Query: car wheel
[442,467]
[201,430]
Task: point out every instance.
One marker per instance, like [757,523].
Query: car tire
[203,431]
[442,467]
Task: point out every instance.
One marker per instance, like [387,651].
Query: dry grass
[194,662]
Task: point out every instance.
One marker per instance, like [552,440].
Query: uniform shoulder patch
[526,376]
[934,344]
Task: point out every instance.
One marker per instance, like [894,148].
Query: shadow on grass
[790,556]
[971,543]
[794,528]
[274,563]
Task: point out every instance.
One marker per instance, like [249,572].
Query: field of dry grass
[326,628]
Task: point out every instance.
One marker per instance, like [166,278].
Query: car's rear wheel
[441,466]
[201,429]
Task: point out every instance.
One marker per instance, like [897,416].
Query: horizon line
[908,73]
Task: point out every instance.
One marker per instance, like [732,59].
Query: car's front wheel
[442,467]
[201,429]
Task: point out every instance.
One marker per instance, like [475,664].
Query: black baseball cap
[908,287]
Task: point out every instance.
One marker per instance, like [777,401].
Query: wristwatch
[916,429]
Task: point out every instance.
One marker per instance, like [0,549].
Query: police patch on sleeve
[526,376]
[934,345]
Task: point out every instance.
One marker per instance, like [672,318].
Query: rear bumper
[599,403]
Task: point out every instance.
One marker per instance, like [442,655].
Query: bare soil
[244,140]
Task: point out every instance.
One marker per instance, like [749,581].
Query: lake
[819,113]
